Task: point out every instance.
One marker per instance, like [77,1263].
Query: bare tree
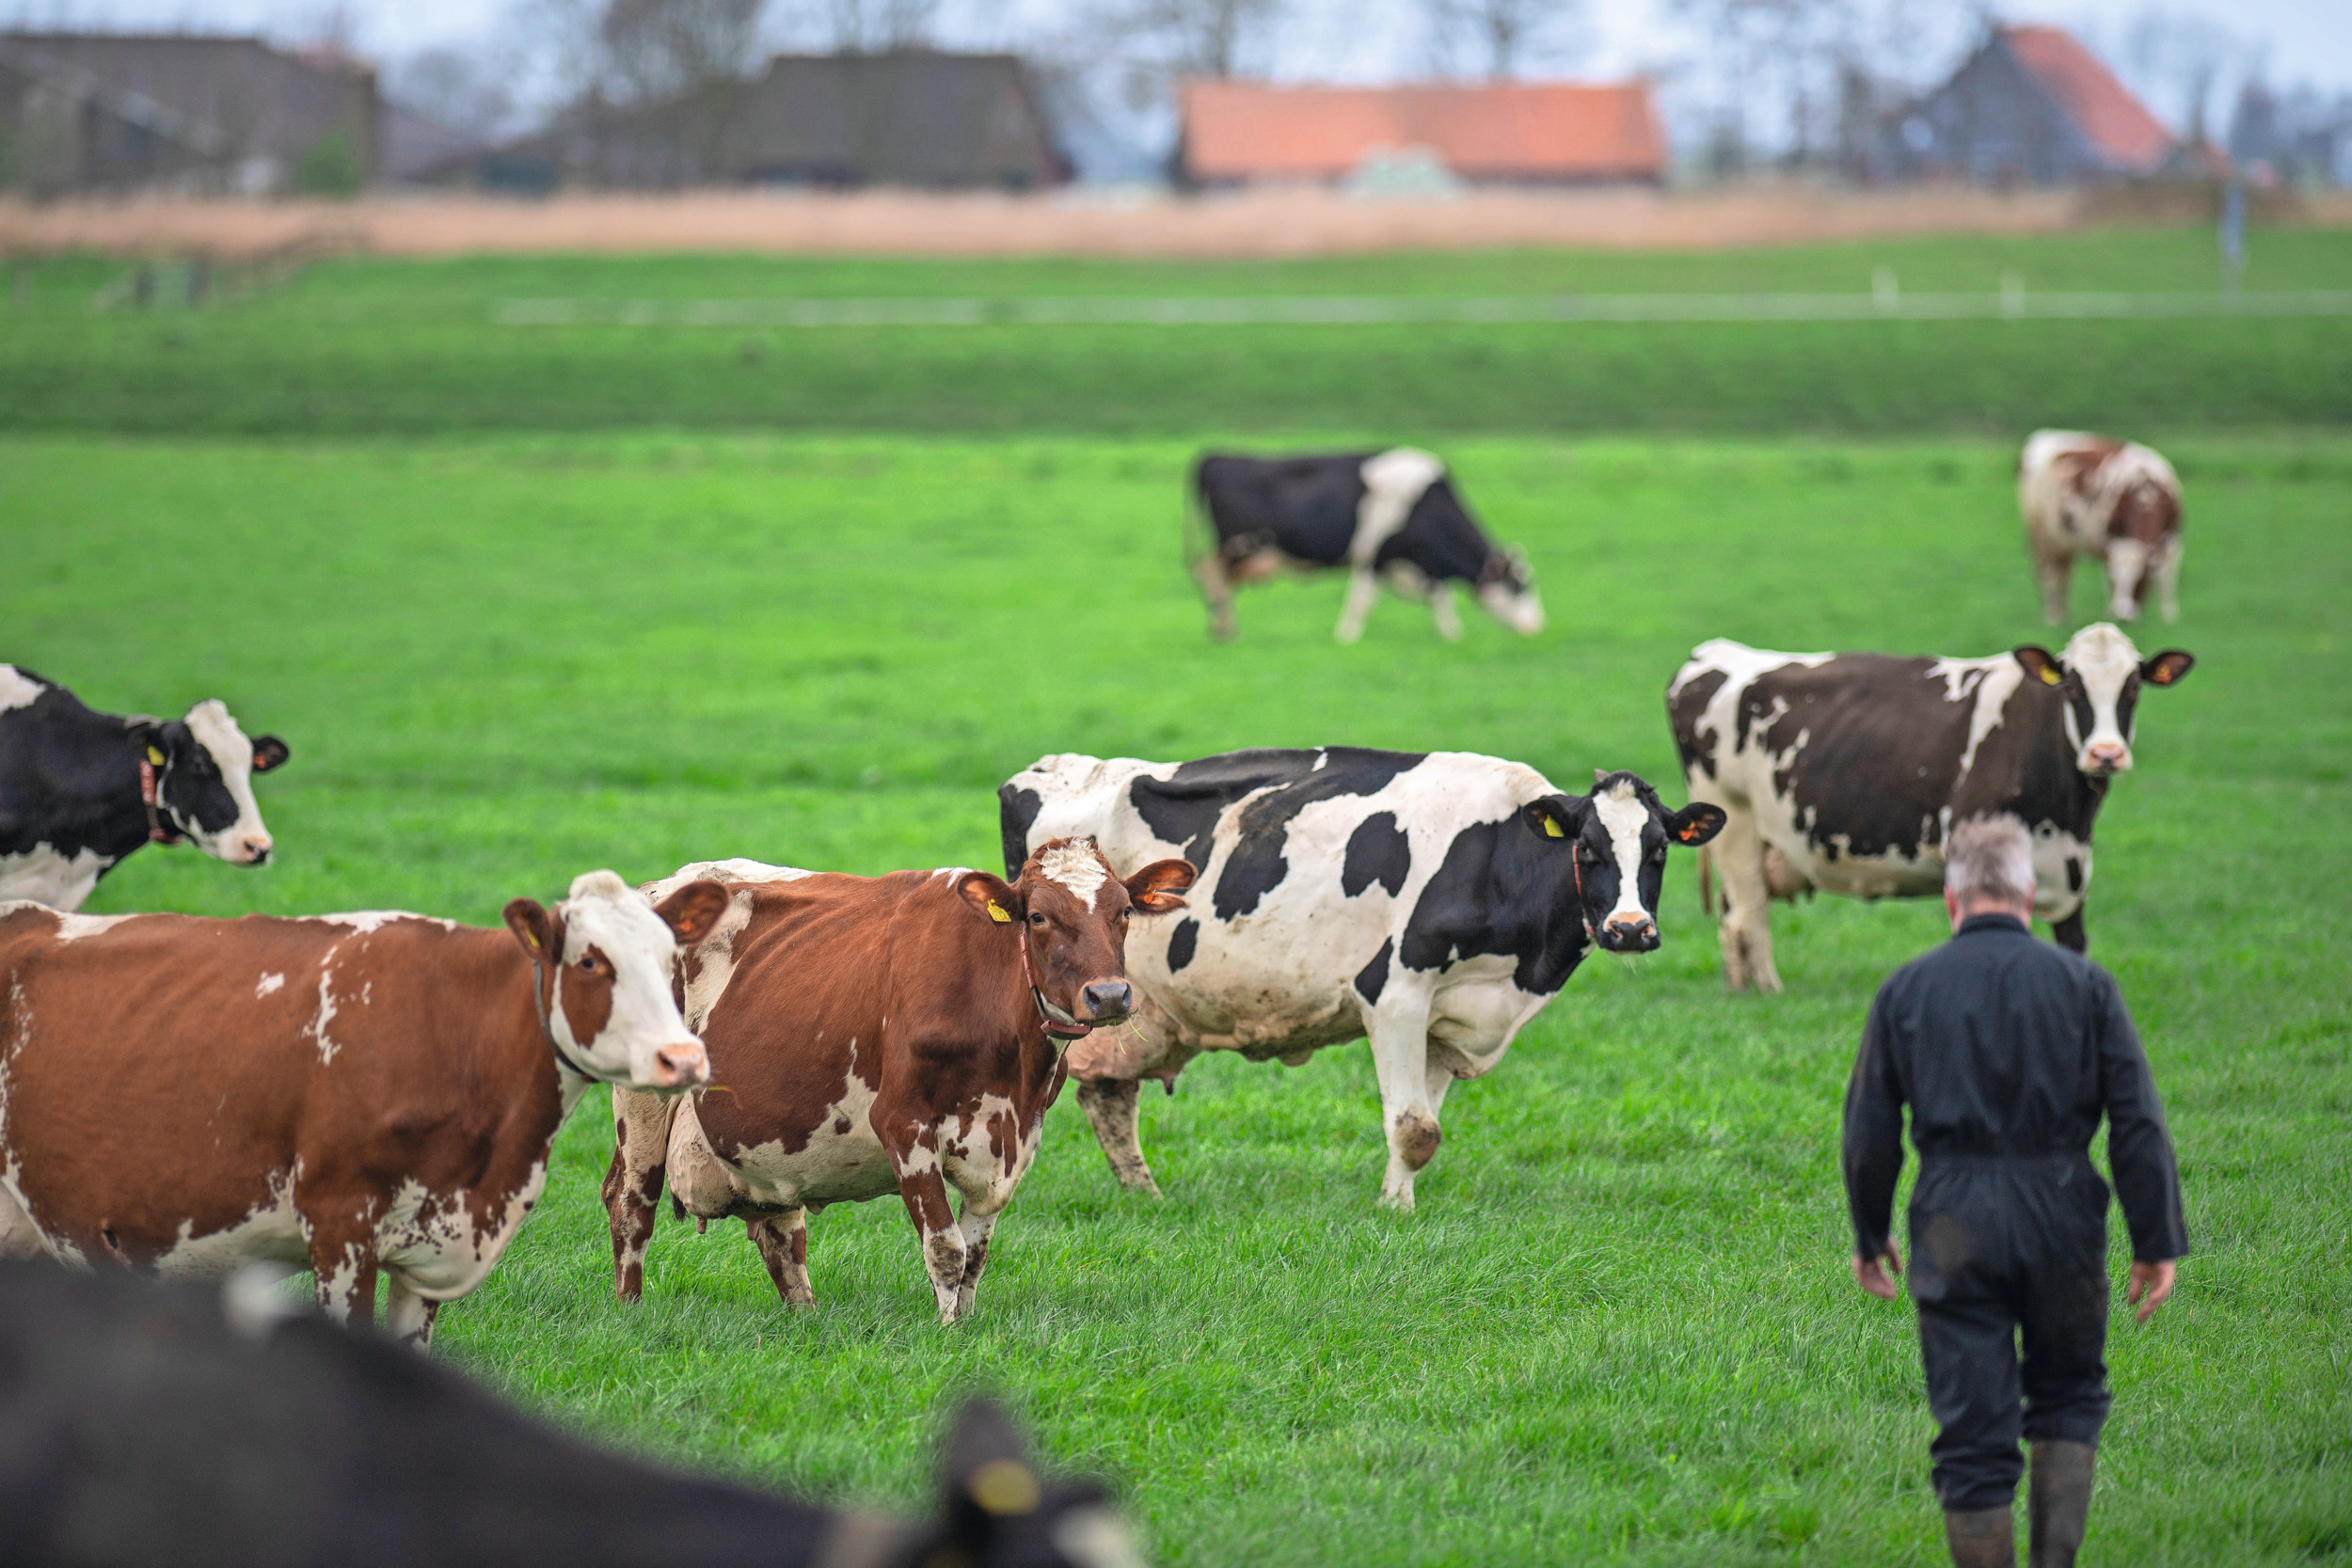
[2182,56]
[1502,32]
[1188,38]
[866,27]
[456,88]
[667,49]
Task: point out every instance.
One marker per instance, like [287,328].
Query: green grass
[1619,1326]
[372,346]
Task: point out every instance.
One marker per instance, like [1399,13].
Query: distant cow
[188,1094]
[2086,495]
[1845,771]
[1390,516]
[155,1426]
[81,790]
[875,1035]
[1431,901]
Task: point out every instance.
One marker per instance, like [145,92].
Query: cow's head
[2143,533]
[2099,678]
[1072,912]
[1506,586]
[1616,840]
[605,957]
[204,768]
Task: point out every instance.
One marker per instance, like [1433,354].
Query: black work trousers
[2004,1249]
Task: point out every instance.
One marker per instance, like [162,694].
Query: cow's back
[1306,507]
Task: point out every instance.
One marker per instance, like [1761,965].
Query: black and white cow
[1845,771]
[81,790]
[1390,516]
[1432,902]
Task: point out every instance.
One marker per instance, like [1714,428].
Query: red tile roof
[2115,122]
[1505,130]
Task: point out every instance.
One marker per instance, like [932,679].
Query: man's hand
[2150,1284]
[1871,1273]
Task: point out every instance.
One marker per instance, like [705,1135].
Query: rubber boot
[1983,1538]
[2059,1508]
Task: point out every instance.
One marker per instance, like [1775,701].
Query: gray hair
[1989,860]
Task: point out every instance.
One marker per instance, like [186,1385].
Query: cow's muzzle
[1629,933]
[2107,757]
[1106,1001]
[684,1065]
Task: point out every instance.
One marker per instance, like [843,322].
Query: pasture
[1620,1326]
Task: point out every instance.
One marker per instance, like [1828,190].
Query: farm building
[1504,132]
[118,112]
[914,117]
[2033,105]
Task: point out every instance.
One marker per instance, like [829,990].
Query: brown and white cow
[871,1034]
[2120,501]
[355,1093]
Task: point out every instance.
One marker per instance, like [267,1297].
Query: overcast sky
[2301,40]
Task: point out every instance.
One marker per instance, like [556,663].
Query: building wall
[1990,124]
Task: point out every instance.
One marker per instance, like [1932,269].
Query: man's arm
[1873,1146]
[2139,1148]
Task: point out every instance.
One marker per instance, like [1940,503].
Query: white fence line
[1885,304]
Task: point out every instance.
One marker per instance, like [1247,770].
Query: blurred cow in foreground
[1390,516]
[146,1426]
[2086,495]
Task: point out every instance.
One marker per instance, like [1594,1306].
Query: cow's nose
[1108,999]
[2108,757]
[257,851]
[680,1066]
[1635,931]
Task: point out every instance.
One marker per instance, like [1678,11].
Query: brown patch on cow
[2149,513]
[586,992]
[1417,1139]
[2080,465]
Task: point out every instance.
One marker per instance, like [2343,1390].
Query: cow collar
[150,790]
[1576,865]
[547,1028]
[1059,1024]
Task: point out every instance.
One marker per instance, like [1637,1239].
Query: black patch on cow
[1306,507]
[1684,709]
[1873,746]
[1373,976]
[1183,807]
[1503,888]
[1017,812]
[1377,851]
[2074,874]
[1256,864]
[1181,944]
[1439,538]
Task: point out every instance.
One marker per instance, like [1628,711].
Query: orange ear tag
[996,913]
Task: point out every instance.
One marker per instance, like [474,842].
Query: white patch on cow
[1992,681]
[43,876]
[269,984]
[1078,868]
[1737,661]
[2053,899]
[17,688]
[316,1028]
[1625,815]
[365,921]
[722,871]
[73,927]
[233,754]
[272,1230]
[2104,659]
[438,1244]
[605,912]
[1394,482]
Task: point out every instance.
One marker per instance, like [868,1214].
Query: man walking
[2008,1050]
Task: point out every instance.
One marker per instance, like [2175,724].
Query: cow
[147,1425]
[2120,501]
[1390,516]
[185,1094]
[875,1035]
[81,790]
[1432,902]
[1845,773]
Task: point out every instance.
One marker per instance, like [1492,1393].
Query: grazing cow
[872,1035]
[155,1426]
[1389,514]
[2086,495]
[1847,771]
[81,790]
[1431,901]
[188,1094]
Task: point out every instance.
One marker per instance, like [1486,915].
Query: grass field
[365,347]
[1619,1327]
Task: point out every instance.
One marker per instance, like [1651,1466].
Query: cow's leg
[2054,573]
[1442,611]
[1216,591]
[343,1268]
[407,1316]
[2069,933]
[1364,591]
[974,1229]
[925,1193]
[1747,931]
[1110,1105]
[1399,1030]
[783,1243]
[632,1184]
[2168,584]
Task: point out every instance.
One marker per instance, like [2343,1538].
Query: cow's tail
[1706,882]
[1199,532]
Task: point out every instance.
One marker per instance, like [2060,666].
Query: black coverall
[2007,1050]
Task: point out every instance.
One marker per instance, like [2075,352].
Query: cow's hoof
[1398,1198]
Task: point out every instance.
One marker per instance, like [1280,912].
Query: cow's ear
[269,752]
[692,910]
[2168,668]
[991,895]
[146,738]
[2040,663]
[1695,823]
[1154,888]
[534,927]
[1556,817]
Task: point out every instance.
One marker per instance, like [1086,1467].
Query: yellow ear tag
[2050,677]
[996,913]
[1551,829]
[155,756]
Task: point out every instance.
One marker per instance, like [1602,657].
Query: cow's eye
[1037,920]
[588,962]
